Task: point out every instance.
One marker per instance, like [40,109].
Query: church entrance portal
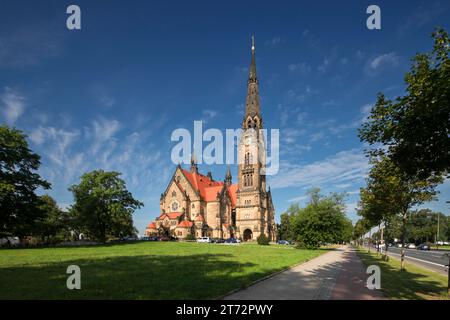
[248,235]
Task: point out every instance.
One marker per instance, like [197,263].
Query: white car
[411,246]
[204,240]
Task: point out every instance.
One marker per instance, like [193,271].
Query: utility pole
[438,226]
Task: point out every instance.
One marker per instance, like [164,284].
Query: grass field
[412,283]
[143,270]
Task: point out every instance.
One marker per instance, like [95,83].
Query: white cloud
[384,59]
[12,106]
[273,42]
[56,142]
[344,167]
[298,199]
[322,68]
[301,67]
[316,136]
[209,114]
[103,132]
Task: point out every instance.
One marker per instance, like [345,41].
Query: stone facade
[196,204]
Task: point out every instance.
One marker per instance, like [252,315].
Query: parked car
[153,238]
[130,238]
[9,242]
[411,246]
[164,238]
[423,246]
[204,240]
[285,242]
[399,245]
[232,240]
[145,238]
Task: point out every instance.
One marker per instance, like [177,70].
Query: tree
[262,239]
[413,130]
[103,206]
[51,222]
[18,184]
[391,192]
[323,220]
[284,228]
[360,229]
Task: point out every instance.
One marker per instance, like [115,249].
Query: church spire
[228,177]
[193,163]
[252,118]
[252,74]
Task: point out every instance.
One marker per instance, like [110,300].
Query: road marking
[436,264]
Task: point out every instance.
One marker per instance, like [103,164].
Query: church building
[198,205]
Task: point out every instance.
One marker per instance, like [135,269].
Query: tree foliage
[391,192]
[51,221]
[18,184]
[323,220]
[103,207]
[413,130]
[262,239]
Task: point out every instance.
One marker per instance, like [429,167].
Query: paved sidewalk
[351,282]
[338,274]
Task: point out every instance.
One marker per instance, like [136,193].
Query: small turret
[194,167]
[228,177]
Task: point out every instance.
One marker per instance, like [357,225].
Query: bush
[263,240]
[308,246]
[190,237]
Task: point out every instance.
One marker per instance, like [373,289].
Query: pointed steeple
[252,74]
[193,163]
[228,177]
[252,105]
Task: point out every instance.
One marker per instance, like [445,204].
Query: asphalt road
[433,260]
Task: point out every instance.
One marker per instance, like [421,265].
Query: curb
[268,277]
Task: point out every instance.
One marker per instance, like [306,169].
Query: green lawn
[412,283]
[144,270]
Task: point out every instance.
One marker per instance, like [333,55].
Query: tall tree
[323,220]
[361,227]
[414,129]
[18,184]
[51,222]
[103,206]
[393,192]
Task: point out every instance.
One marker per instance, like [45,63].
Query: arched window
[250,180]
[247,159]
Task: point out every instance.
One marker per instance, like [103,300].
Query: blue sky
[109,95]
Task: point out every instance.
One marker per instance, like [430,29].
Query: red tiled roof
[207,188]
[199,218]
[185,224]
[211,193]
[170,215]
[151,225]
[226,225]
[200,182]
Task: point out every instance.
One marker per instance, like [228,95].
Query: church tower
[253,213]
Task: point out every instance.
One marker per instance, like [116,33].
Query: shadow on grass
[404,284]
[200,276]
